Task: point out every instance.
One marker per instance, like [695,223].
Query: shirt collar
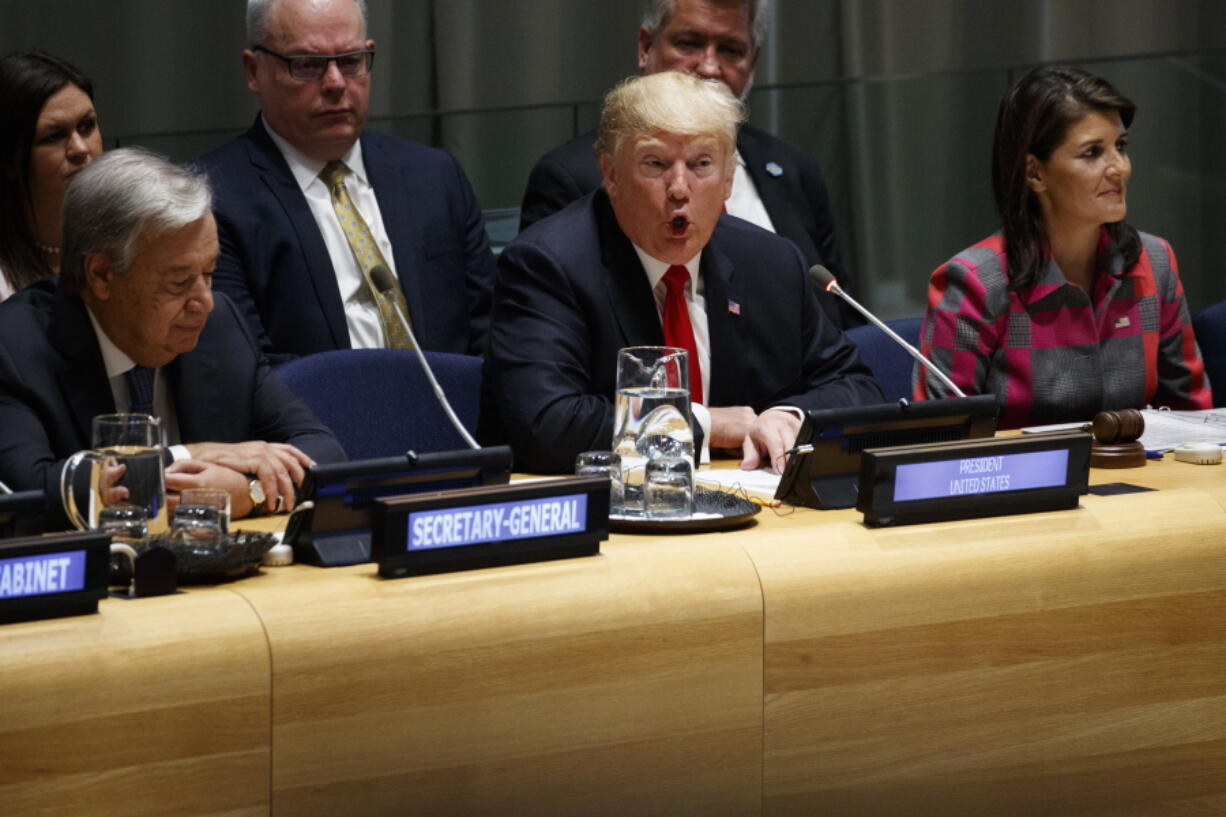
[115,359]
[656,268]
[305,169]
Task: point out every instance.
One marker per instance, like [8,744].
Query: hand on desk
[730,425]
[762,439]
[184,474]
[278,466]
[772,435]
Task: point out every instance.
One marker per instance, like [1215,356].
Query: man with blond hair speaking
[775,185]
[606,272]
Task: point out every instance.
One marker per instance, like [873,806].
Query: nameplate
[974,478]
[52,576]
[489,526]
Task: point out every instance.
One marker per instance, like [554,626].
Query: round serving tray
[713,510]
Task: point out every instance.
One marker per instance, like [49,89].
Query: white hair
[257,19]
[122,197]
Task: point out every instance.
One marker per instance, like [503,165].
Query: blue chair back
[379,403]
[890,363]
[1210,329]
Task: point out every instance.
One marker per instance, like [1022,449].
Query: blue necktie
[140,389]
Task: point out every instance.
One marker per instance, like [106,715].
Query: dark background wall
[895,98]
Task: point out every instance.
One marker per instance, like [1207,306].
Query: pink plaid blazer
[1052,353]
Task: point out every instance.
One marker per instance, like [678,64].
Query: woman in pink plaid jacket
[1068,310]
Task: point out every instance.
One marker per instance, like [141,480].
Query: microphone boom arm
[384,281]
[834,288]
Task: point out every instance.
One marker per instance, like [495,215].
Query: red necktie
[678,331]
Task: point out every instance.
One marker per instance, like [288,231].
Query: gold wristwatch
[255,490]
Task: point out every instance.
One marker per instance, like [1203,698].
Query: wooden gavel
[1116,439]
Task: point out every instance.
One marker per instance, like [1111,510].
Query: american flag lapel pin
[734,308]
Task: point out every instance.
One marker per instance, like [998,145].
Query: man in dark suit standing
[646,260]
[308,202]
[776,186]
[132,325]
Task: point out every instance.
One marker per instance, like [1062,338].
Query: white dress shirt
[696,302]
[745,203]
[361,312]
[695,299]
[118,364]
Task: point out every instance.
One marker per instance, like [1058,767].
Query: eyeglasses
[312,67]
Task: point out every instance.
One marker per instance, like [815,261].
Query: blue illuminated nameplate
[973,478]
[980,475]
[497,522]
[490,525]
[50,576]
[42,574]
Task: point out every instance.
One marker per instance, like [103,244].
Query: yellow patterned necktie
[365,252]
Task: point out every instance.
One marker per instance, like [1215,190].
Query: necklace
[46,249]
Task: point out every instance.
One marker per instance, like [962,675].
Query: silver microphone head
[821,276]
[383,279]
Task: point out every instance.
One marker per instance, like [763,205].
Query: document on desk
[1166,429]
[761,482]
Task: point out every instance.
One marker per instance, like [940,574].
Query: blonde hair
[669,102]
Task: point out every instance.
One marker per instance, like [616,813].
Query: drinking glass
[651,414]
[215,498]
[668,492]
[604,463]
[123,481]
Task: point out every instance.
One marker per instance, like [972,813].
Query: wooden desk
[155,706]
[626,683]
[1054,664]
[1069,663]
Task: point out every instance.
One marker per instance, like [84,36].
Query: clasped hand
[279,468]
[763,440]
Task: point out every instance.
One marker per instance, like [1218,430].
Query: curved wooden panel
[1059,663]
[156,706]
[628,683]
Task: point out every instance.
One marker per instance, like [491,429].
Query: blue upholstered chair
[890,363]
[1210,328]
[379,403]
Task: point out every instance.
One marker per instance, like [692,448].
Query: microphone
[385,282]
[824,279]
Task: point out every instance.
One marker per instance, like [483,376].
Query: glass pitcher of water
[652,416]
[118,486]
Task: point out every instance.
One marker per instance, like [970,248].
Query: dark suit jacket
[795,197]
[53,383]
[571,292]
[275,266]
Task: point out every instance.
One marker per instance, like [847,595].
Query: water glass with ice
[651,415]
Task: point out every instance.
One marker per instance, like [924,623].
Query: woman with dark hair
[49,131]
[1068,310]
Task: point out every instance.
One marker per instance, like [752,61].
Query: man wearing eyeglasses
[308,202]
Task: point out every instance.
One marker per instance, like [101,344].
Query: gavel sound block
[1116,443]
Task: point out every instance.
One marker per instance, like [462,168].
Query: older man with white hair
[649,259]
[132,325]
